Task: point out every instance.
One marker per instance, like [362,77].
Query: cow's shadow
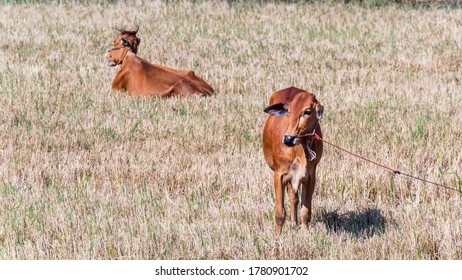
[365,223]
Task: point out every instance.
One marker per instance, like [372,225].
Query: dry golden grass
[86,173]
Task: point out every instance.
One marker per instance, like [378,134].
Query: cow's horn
[137,27]
[120,29]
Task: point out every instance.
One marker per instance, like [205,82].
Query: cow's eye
[307,112]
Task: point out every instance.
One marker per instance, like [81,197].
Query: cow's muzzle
[111,63]
[109,59]
[290,140]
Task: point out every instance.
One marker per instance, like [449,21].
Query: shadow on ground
[364,223]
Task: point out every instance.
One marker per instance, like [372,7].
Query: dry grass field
[87,173]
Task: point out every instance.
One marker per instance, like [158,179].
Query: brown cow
[291,150]
[142,78]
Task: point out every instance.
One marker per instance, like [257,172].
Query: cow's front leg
[279,211]
[118,84]
[307,196]
[293,195]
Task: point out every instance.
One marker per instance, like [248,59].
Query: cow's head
[124,42]
[303,113]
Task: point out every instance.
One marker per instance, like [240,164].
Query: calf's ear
[278,109]
[319,111]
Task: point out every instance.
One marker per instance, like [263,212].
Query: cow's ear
[319,111]
[278,109]
[124,41]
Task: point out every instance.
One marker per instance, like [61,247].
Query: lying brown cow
[291,150]
[142,78]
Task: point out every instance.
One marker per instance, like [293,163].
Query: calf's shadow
[365,223]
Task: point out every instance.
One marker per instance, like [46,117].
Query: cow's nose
[289,140]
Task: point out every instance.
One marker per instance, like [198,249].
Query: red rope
[395,171]
[356,155]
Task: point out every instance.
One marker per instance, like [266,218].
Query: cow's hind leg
[293,195]
[169,92]
[184,87]
[180,88]
[307,196]
[279,211]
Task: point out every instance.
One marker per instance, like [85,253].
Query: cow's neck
[127,56]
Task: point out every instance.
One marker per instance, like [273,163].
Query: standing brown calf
[140,77]
[290,153]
